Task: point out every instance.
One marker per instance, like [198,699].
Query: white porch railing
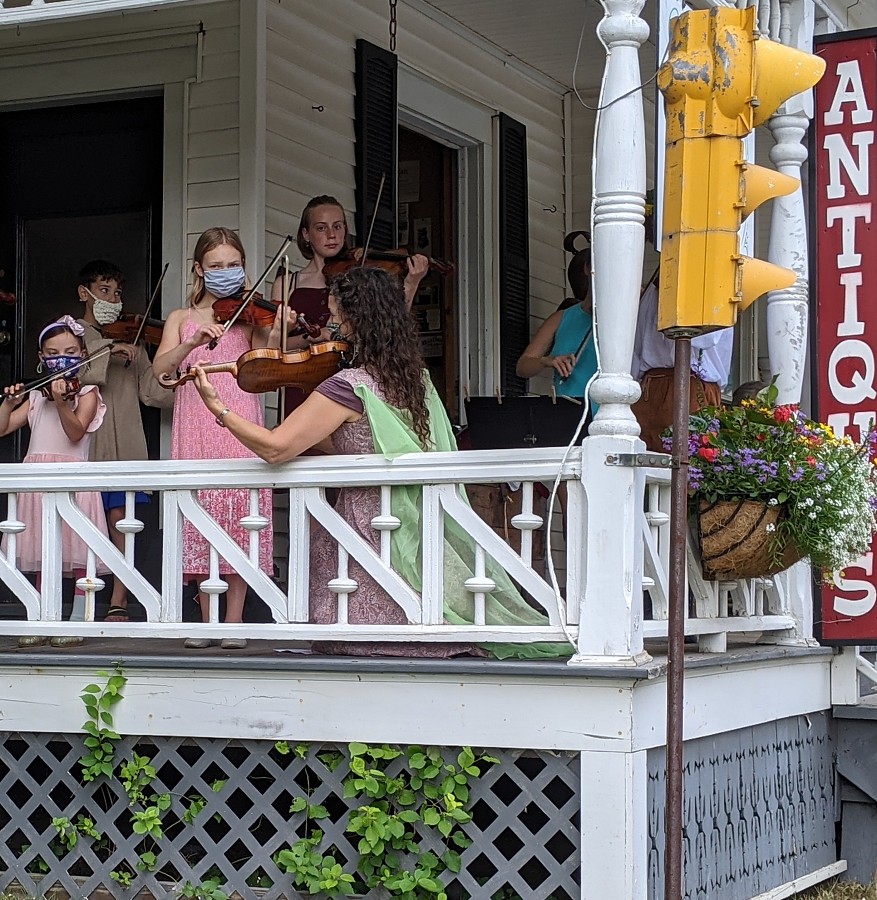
[717,609]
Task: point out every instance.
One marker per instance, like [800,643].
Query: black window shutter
[377,142]
[514,253]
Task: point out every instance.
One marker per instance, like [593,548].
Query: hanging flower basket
[768,486]
[739,539]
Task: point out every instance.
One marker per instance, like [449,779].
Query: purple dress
[369,604]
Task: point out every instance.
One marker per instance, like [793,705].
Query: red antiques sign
[844,225]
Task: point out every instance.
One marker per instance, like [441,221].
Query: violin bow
[48,379]
[284,332]
[371,226]
[251,292]
[155,291]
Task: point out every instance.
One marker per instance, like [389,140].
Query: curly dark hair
[385,338]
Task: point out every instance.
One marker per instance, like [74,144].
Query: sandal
[117,614]
[233,643]
[31,640]
[66,641]
[197,643]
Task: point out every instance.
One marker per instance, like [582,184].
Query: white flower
[812,515]
[772,502]
[773,527]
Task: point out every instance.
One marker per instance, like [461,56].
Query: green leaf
[452,860]
[299,804]
[357,749]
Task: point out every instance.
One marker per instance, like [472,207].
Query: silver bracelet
[220,419]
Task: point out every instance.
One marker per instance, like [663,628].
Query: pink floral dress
[195,435]
[49,444]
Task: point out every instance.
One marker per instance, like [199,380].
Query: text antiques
[845,371]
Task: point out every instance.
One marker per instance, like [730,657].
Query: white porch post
[787,310]
[614,825]
[611,607]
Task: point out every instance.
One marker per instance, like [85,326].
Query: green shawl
[393,436]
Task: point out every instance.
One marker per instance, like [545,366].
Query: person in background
[219,261]
[60,432]
[384,402]
[322,236]
[653,359]
[565,340]
[125,378]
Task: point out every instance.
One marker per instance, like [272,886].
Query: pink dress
[49,444]
[195,435]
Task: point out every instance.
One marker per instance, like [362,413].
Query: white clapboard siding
[212,164]
[310,62]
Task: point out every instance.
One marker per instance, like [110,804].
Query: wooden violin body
[127,329]
[258,311]
[394,261]
[260,371]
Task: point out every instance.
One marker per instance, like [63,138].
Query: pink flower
[710,454]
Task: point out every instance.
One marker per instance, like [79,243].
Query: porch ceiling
[543,36]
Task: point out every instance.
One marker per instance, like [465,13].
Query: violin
[393,261]
[260,371]
[72,384]
[127,329]
[259,312]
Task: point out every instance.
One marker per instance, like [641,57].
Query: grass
[840,890]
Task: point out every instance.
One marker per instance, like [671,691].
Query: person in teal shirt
[565,340]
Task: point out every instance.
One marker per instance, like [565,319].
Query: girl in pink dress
[219,261]
[60,433]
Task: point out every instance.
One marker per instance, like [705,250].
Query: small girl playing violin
[61,425]
[218,271]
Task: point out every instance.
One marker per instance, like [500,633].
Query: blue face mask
[58,364]
[224,282]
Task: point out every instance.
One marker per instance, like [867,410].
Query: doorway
[427,225]
[78,182]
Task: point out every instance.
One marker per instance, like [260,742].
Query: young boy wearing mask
[125,378]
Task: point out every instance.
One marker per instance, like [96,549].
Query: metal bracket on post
[642,460]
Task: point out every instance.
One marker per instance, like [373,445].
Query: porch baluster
[611,606]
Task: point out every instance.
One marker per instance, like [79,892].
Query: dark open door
[77,182]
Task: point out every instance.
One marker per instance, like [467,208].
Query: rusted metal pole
[676,623]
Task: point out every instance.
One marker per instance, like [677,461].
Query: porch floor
[287,656]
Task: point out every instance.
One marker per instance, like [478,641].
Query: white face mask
[104,312]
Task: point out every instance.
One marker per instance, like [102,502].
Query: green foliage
[824,486]
[427,791]
[136,775]
[122,877]
[207,890]
[99,702]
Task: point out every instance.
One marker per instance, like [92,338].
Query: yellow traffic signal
[720,81]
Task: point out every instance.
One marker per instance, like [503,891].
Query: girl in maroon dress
[322,235]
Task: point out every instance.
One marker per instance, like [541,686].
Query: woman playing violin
[384,402]
[124,376]
[218,270]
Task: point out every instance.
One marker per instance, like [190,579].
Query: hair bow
[67,322]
